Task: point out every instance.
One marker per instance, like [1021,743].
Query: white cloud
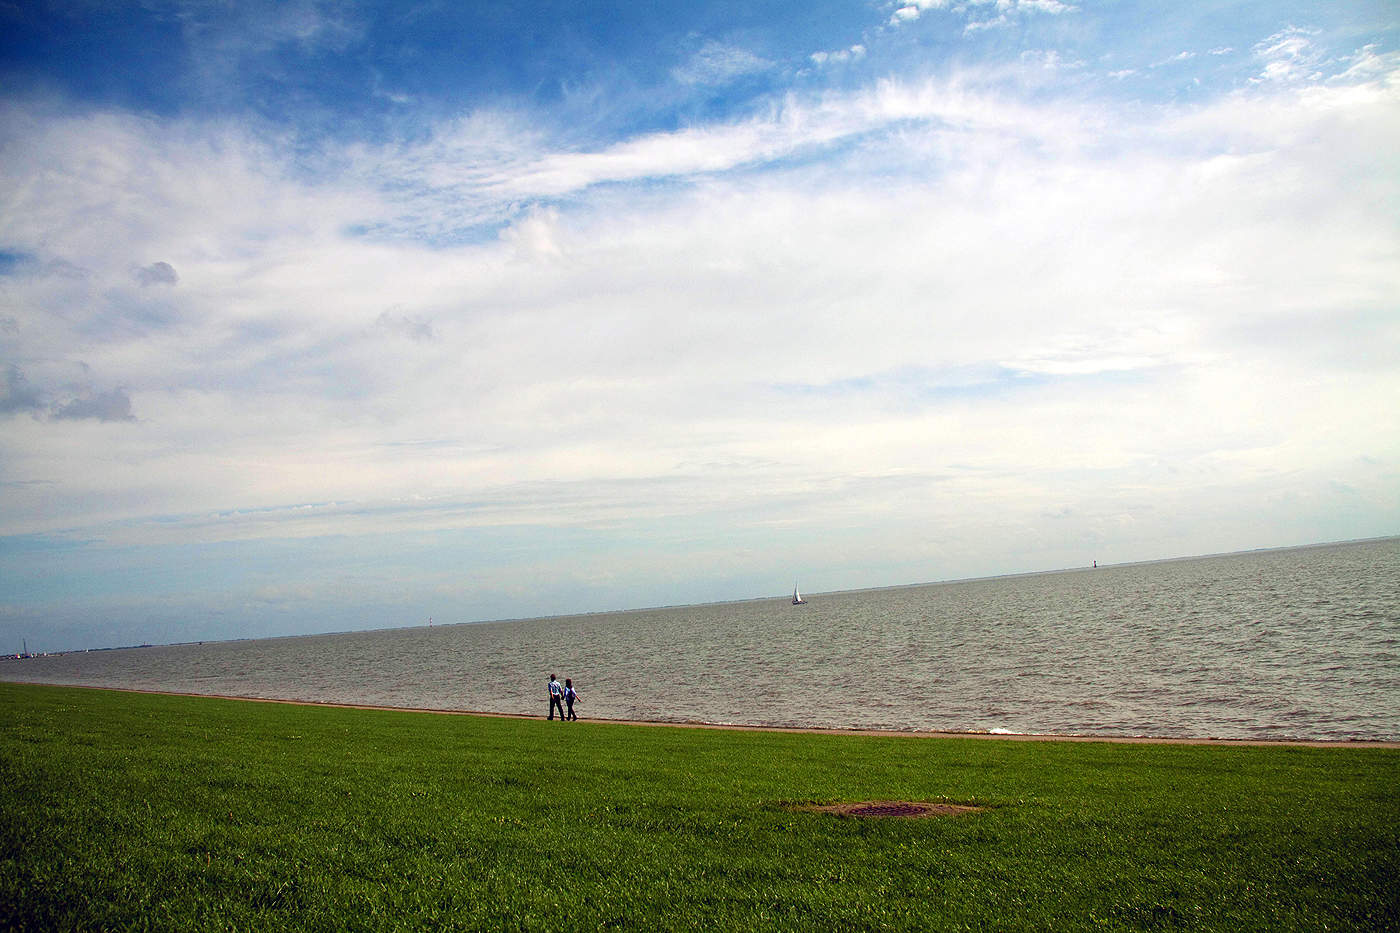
[1178,57]
[1366,66]
[976,303]
[904,14]
[840,56]
[1288,56]
[1049,60]
[227,44]
[534,238]
[469,176]
[716,63]
[985,24]
[1007,11]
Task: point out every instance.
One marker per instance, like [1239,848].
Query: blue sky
[324,316]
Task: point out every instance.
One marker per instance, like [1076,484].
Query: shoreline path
[739,727]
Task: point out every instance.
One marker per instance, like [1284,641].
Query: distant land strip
[744,727]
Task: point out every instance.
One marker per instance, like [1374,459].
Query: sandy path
[1122,739]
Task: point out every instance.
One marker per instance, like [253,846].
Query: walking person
[556,693]
[570,695]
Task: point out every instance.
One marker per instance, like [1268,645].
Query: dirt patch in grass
[893,809]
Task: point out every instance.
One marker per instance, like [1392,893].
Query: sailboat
[797,599]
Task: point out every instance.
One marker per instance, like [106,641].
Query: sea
[1297,643]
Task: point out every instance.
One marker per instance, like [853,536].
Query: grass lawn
[129,811]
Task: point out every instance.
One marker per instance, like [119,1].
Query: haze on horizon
[327,316]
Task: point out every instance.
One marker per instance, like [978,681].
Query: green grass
[129,811]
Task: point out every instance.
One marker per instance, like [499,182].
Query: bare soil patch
[896,809]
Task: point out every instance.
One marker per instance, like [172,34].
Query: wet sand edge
[801,730]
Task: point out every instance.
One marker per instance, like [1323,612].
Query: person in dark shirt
[570,695]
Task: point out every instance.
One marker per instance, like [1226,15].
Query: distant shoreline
[743,727]
[775,597]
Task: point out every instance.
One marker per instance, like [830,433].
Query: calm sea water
[1298,643]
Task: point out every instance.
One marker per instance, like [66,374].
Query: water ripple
[1299,643]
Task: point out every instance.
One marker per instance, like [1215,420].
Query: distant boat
[797,599]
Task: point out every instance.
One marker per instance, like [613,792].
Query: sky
[328,316]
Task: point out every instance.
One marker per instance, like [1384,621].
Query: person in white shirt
[556,694]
